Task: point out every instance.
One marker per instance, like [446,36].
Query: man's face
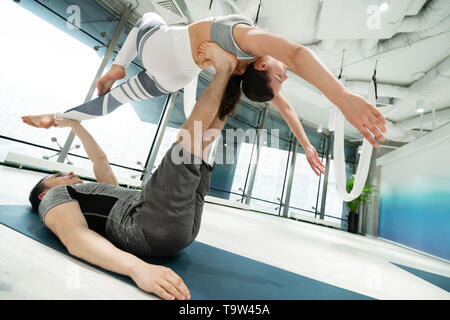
[61,179]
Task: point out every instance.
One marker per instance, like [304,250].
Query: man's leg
[168,213]
[205,110]
[211,135]
[203,187]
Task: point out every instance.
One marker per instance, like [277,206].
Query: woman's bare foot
[40,121]
[105,83]
[220,59]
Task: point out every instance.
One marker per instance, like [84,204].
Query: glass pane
[305,186]
[7,146]
[232,160]
[42,73]
[174,124]
[241,172]
[278,128]
[270,176]
[265,206]
[52,79]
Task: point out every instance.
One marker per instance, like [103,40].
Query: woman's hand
[160,280]
[363,116]
[314,161]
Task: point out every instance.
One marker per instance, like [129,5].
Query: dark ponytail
[255,85]
[231,96]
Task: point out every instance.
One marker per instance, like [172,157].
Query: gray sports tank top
[222,34]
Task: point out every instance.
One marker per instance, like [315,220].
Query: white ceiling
[411,46]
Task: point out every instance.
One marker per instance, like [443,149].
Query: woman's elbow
[296,55]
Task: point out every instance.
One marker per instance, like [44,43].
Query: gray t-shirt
[108,210]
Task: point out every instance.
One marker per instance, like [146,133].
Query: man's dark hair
[34,194]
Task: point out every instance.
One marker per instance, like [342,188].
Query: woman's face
[276,70]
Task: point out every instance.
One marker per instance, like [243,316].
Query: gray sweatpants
[173,200]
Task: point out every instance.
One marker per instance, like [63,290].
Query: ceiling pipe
[430,16]
[428,86]
[383,90]
[432,84]
[443,115]
[433,20]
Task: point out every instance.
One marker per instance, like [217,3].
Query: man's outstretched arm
[101,166]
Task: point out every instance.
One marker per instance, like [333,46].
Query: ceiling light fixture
[384,7]
[419,106]
[319,129]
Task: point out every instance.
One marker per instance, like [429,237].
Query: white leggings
[167,57]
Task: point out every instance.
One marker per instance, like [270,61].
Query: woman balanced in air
[172,59]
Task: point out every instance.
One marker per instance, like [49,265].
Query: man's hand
[64,123]
[363,116]
[160,280]
[314,161]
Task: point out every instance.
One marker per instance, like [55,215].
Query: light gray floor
[30,270]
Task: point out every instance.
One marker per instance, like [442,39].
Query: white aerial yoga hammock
[336,124]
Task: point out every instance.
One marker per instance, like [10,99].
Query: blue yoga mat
[209,273]
[436,279]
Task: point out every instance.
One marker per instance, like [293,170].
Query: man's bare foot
[40,121]
[220,59]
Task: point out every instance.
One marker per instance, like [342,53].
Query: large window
[44,70]
[49,67]
[176,120]
[305,187]
[272,167]
[234,154]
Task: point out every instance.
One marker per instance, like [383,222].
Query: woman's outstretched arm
[304,63]
[289,114]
